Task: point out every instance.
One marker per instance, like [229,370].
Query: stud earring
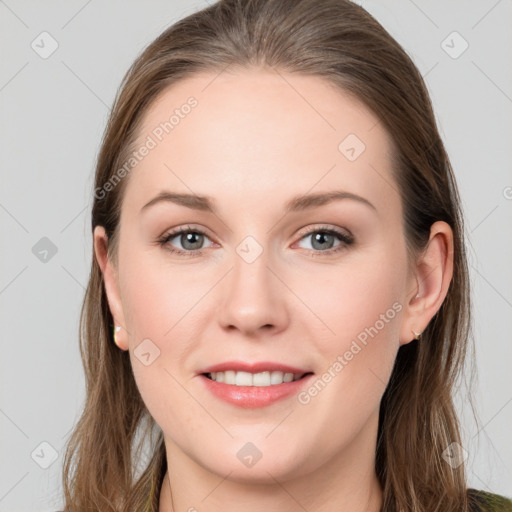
[117,328]
[416,335]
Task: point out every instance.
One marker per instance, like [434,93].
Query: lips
[259,392]
[255,396]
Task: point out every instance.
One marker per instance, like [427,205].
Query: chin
[258,462]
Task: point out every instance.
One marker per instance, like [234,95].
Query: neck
[274,498]
[347,482]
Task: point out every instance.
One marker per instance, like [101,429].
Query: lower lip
[251,397]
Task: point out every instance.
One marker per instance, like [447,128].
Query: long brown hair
[104,467]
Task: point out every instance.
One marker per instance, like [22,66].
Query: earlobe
[111,284]
[431,281]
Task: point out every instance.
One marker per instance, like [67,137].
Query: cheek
[353,297]
[159,311]
[156,296]
[359,310]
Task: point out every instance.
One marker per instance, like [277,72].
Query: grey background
[53,111]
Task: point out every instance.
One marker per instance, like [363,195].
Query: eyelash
[346,240]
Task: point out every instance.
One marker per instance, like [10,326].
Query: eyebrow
[296,204]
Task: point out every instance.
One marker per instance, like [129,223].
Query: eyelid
[326,227]
[185,228]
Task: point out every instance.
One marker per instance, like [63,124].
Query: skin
[254,141]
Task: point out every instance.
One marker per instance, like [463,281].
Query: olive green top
[482,501]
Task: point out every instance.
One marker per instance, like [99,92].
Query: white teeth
[277,377]
[254,379]
[287,377]
[261,379]
[243,379]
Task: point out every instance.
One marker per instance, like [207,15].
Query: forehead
[257,134]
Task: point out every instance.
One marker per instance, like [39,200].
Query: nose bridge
[253,296]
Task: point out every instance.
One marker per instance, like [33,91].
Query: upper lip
[258,367]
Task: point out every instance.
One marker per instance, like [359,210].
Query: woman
[279,259]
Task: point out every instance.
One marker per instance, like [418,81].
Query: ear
[110,278]
[429,282]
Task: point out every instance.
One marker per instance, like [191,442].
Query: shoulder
[482,501]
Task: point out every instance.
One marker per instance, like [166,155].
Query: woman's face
[261,274]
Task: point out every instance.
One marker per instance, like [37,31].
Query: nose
[253,298]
